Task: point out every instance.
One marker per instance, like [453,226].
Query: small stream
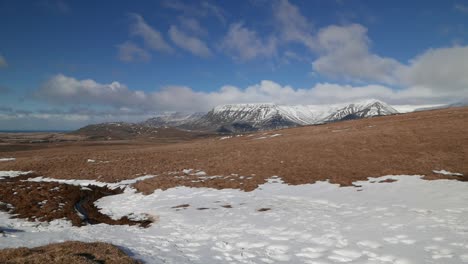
[83,213]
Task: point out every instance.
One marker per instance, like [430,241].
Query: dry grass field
[343,152]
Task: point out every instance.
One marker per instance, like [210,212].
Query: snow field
[407,221]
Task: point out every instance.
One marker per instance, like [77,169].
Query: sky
[65,64]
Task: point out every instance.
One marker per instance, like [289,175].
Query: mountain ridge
[268,116]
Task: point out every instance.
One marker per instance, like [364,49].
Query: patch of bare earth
[47,201]
[67,253]
[343,152]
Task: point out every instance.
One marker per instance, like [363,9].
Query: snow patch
[448,173]
[268,136]
[84,183]
[11,174]
[310,223]
[7,159]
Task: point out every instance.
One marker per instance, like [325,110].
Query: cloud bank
[436,76]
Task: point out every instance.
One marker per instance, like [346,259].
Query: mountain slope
[361,109]
[252,117]
[126,131]
[172,119]
[235,118]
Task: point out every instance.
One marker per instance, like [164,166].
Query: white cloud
[151,37]
[442,70]
[192,44]
[214,10]
[244,44]
[129,51]
[3,62]
[63,90]
[292,25]
[344,53]
[192,26]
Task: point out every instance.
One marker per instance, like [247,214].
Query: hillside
[355,190]
[413,143]
[127,131]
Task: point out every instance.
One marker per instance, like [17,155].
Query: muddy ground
[66,253]
[343,152]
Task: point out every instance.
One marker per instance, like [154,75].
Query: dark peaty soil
[67,253]
[47,201]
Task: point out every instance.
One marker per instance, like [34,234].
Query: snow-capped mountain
[252,117]
[362,109]
[243,118]
[172,119]
[235,118]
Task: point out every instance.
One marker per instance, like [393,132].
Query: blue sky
[64,63]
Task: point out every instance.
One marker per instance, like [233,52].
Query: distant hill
[124,131]
[172,119]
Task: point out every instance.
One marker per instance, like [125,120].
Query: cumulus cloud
[152,38]
[61,89]
[344,53]
[129,51]
[190,43]
[3,62]
[341,52]
[442,70]
[245,44]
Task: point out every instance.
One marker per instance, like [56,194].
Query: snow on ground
[11,174]
[7,159]
[93,161]
[444,172]
[407,221]
[194,172]
[268,136]
[123,183]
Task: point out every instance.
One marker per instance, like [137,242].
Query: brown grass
[414,143]
[67,253]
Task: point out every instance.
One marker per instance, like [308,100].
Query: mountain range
[235,118]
